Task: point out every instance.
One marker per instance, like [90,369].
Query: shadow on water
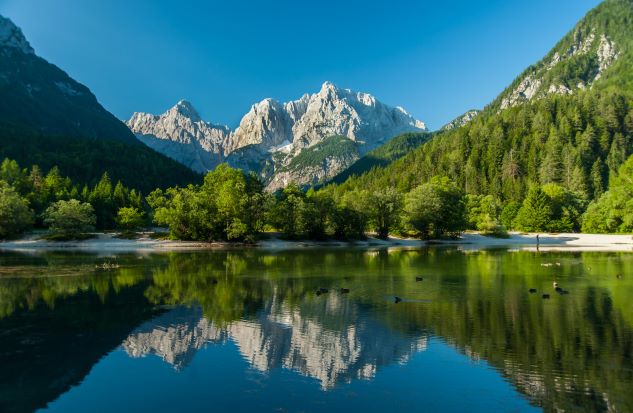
[60,315]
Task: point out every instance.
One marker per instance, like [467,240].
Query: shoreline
[107,242]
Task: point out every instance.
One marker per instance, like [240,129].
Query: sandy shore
[469,241]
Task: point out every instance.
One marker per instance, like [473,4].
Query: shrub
[69,219]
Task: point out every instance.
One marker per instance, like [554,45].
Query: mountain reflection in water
[282,337]
[62,320]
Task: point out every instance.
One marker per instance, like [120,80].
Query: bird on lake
[555,284]
[546,296]
[419,278]
[344,290]
[532,290]
[397,300]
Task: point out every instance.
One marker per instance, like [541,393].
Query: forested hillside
[49,119]
[566,121]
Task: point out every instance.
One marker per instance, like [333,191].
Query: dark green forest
[85,160]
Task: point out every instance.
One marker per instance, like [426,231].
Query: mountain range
[305,141]
[565,119]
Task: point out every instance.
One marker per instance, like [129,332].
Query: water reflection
[571,353]
[280,336]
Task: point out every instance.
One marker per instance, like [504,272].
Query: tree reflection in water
[572,352]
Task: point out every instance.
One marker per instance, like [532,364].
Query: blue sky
[436,59]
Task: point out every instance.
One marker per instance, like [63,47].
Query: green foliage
[15,214]
[129,218]
[613,211]
[226,207]
[567,208]
[384,208]
[317,211]
[288,213]
[484,215]
[550,208]
[349,219]
[436,209]
[535,213]
[70,219]
[85,160]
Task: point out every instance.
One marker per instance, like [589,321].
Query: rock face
[461,120]
[580,60]
[272,135]
[180,134]
[11,36]
[283,336]
[39,97]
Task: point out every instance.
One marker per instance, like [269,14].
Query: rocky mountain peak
[273,133]
[186,109]
[12,36]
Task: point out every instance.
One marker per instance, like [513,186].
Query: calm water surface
[244,331]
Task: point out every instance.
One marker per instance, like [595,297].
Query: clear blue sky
[436,59]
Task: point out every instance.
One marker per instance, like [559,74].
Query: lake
[255,330]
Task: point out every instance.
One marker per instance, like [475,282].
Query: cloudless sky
[437,59]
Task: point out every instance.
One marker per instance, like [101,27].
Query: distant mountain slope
[382,156]
[47,118]
[575,137]
[272,134]
[41,96]
[461,120]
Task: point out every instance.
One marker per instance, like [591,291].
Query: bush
[436,209]
[69,219]
[129,219]
[15,214]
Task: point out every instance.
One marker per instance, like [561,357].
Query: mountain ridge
[272,133]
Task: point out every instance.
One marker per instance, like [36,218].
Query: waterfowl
[558,289]
[323,290]
[555,284]
[344,290]
[562,292]
[546,296]
[419,278]
[532,290]
[397,300]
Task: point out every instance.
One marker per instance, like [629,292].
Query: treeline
[555,165]
[85,159]
[29,198]
[230,205]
